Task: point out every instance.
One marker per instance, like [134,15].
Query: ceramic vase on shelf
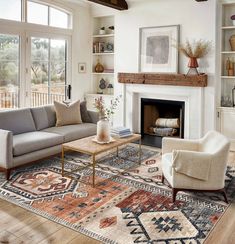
[99,68]
[103,130]
[232,42]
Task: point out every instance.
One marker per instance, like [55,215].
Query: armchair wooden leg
[174,192]
[8,173]
[225,195]
[163,178]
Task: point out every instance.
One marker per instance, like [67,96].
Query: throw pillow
[84,113]
[67,114]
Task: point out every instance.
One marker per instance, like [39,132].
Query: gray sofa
[30,134]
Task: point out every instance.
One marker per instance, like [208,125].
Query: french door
[34,69]
[47,70]
[9,71]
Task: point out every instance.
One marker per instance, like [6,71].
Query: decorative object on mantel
[163,79]
[105,113]
[195,50]
[99,68]
[157,53]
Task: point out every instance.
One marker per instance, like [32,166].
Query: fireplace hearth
[161,118]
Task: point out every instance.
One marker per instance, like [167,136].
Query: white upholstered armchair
[195,164]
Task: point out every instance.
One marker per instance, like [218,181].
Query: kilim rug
[128,204]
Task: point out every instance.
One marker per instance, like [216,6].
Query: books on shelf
[121,132]
[103,47]
[108,70]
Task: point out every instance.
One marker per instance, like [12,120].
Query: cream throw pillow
[67,114]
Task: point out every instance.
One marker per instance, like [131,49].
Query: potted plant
[105,113]
[233,19]
[102,31]
[194,51]
[111,28]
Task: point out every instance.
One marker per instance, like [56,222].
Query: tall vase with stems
[103,130]
[193,64]
[103,125]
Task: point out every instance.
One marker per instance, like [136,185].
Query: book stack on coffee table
[120,132]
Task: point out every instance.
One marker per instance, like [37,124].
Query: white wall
[81,50]
[196,20]
[81,45]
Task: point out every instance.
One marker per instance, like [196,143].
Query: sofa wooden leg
[163,178]
[225,195]
[174,192]
[8,173]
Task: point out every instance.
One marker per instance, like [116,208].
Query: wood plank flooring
[19,226]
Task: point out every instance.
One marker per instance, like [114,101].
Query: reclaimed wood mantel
[163,79]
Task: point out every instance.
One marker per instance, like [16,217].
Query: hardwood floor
[19,226]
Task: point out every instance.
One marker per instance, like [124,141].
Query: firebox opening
[160,118]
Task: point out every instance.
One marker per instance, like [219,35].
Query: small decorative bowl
[233,19]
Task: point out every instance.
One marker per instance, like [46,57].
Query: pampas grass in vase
[194,50]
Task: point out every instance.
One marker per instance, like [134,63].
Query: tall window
[10,9]
[33,63]
[9,71]
[46,15]
[48,70]
[37,13]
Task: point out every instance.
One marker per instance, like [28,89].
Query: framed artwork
[157,51]
[81,67]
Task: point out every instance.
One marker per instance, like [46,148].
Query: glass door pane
[9,71]
[39,71]
[48,70]
[58,64]
[10,9]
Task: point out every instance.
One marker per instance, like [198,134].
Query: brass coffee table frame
[87,146]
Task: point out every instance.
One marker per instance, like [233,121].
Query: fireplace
[161,118]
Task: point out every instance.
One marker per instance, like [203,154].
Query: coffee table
[87,146]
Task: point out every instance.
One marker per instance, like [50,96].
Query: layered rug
[128,205]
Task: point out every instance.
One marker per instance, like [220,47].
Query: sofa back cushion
[18,121]
[67,114]
[86,118]
[40,118]
[44,117]
[51,115]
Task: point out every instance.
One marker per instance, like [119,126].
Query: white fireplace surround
[192,96]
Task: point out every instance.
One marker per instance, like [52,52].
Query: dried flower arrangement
[106,113]
[196,49]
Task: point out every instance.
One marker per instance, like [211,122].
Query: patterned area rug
[128,204]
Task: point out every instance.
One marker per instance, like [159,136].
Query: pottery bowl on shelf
[233,19]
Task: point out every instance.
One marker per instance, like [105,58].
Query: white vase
[102,32]
[103,131]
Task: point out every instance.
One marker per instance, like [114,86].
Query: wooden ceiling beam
[116,4]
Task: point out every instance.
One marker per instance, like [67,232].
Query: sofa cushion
[18,121]
[51,115]
[74,132]
[84,113]
[167,160]
[33,141]
[40,118]
[67,114]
